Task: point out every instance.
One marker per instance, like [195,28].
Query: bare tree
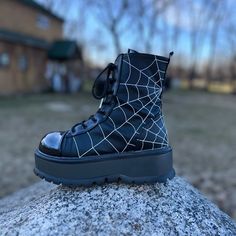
[146,17]
[199,22]
[229,27]
[216,17]
[153,25]
[113,16]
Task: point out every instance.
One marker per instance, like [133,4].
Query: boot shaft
[138,110]
[141,78]
[130,118]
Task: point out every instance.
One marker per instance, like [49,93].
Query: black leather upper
[131,117]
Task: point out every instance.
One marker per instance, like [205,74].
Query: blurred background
[52,50]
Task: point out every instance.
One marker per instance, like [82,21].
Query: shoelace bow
[101,89]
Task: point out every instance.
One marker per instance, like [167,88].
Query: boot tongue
[110,73]
[101,85]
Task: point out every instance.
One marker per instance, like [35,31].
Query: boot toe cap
[51,143]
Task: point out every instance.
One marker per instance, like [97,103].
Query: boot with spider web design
[126,139]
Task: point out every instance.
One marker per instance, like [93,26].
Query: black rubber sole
[148,166]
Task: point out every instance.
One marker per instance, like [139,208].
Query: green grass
[202,131]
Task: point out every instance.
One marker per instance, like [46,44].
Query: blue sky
[185,17]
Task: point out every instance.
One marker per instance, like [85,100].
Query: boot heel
[149,167]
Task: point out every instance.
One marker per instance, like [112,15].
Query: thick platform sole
[140,167]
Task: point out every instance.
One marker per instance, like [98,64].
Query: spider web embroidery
[153,90]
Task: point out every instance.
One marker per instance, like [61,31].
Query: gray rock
[113,209]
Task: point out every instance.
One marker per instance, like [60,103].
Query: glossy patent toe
[51,143]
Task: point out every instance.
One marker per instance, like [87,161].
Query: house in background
[65,66]
[29,36]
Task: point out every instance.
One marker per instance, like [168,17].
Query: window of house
[4,59]
[22,63]
[43,22]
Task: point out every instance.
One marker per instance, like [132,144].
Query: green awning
[64,50]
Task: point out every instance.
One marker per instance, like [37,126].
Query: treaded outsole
[104,180]
[147,166]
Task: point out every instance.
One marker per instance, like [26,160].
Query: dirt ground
[202,130]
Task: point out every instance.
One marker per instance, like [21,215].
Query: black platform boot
[126,139]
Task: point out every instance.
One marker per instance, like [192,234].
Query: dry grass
[24,120]
[202,131]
